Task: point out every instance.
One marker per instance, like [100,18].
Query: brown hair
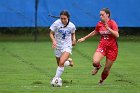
[64,12]
[107,11]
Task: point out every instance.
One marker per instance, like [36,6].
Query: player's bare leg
[71,63]
[63,58]
[58,59]
[60,68]
[106,71]
[96,62]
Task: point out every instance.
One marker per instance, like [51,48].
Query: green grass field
[28,67]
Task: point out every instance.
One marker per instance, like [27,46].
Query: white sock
[67,63]
[59,71]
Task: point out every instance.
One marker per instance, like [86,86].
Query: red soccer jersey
[106,36]
[108,45]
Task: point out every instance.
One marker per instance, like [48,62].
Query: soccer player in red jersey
[108,29]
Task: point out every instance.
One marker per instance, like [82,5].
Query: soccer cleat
[100,82]
[71,62]
[95,70]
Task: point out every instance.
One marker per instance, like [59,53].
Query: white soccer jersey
[63,35]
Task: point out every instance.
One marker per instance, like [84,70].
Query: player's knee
[61,64]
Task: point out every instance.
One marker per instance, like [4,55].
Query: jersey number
[105,36]
[64,35]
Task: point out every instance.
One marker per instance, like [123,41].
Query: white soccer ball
[56,82]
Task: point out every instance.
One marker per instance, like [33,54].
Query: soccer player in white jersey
[63,38]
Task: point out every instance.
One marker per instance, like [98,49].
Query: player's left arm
[73,39]
[113,30]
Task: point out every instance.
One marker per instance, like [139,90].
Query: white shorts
[58,52]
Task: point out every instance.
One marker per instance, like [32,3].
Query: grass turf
[28,67]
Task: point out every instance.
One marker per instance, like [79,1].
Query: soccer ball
[56,82]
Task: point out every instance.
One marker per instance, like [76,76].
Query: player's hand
[81,40]
[107,27]
[105,23]
[54,44]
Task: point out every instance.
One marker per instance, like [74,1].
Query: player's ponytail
[64,12]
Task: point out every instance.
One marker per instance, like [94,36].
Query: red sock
[98,65]
[104,75]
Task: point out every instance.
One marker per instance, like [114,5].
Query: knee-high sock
[59,71]
[104,75]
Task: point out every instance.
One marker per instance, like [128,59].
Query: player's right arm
[53,39]
[93,33]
